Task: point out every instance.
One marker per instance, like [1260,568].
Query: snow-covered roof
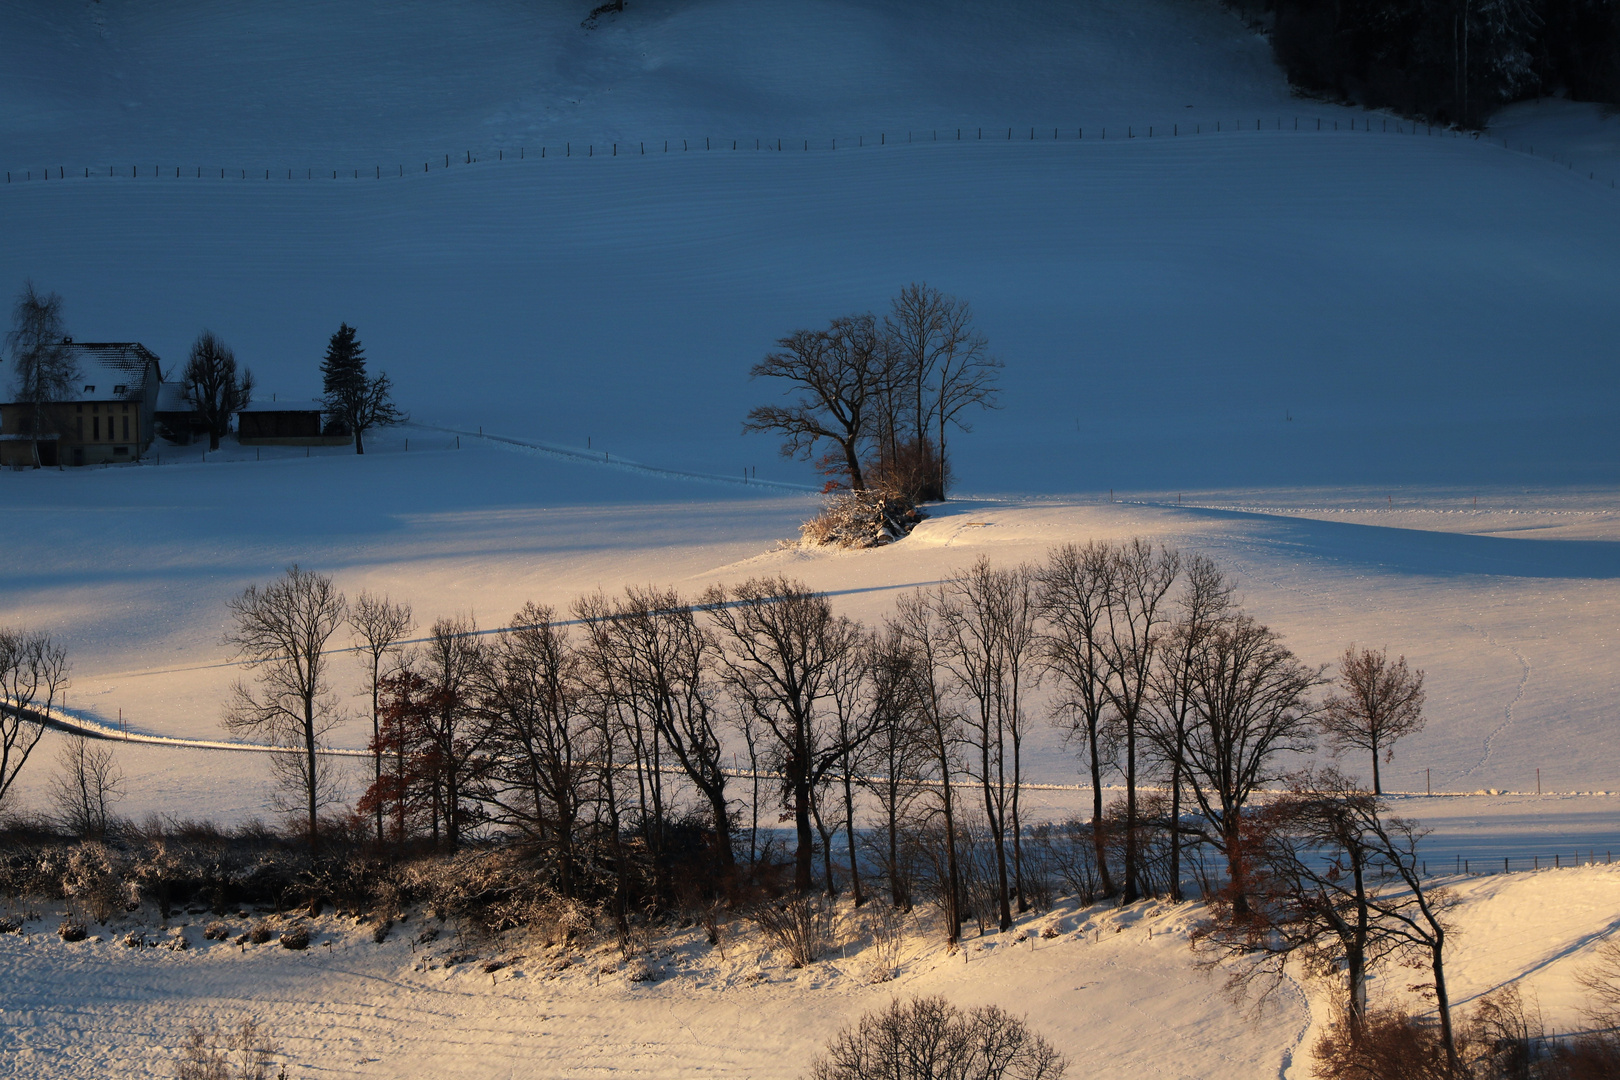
[112,370]
[172,398]
[286,405]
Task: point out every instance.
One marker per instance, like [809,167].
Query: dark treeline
[1451,61]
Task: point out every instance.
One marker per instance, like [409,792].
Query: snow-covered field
[1370,371]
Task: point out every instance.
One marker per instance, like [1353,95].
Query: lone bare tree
[86,786]
[1379,701]
[33,676]
[379,627]
[44,370]
[839,374]
[280,633]
[213,387]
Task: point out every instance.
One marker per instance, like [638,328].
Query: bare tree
[1251,701]
[87,784]
[664,658]
[966,377]
[213,388]
[33,677]
[1074,589]
[543,748]
[780,646]
[941,367]
[917,629]
[44,370]
[895,763]
[1315,871]
[1135,617]
[839,374]
[1206,596]
[280,633]
[1379,702]
[451,663]
[379,627]
[986,618]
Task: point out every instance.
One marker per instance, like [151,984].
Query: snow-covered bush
[639,971]
[72,930]
[216,931]
[861,519]
[260,933]
[296,939]
[10,924]
[93,878]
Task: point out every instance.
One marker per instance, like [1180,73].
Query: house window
[120,451]
[81,426]
[121,389]
[126,429]
[89,389]
[96,422]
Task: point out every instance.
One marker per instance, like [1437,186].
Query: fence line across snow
[708,144]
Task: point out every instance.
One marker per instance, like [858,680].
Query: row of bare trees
[607,739]
[883,392]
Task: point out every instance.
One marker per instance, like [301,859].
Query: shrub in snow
[379,934]
[1389,1045]
[244,1054]
[1050,931]
[72,930]
[296,939]
[929,1037]
[216,931]
[134,940]
[10,924]
[801,927]
[639,971]
[94,877]
[492,966]
[260,933]
[861,519]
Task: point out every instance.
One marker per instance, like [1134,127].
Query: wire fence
[883,140]
[1464,865]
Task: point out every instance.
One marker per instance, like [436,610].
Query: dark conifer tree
[353,399]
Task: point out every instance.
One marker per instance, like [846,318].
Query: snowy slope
[1115,992]
[311,83]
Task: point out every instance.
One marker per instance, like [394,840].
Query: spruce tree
[354,400]
[344,369]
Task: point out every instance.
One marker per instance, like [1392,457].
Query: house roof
[112,370]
